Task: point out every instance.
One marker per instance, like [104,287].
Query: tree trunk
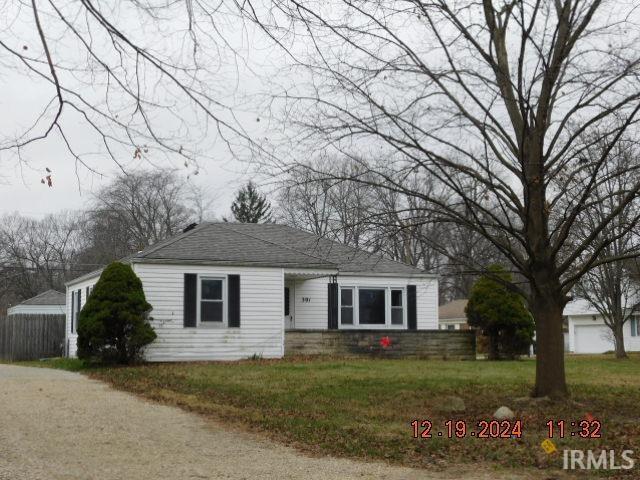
[494,351]
[546,300]
[550,373]
[618,338]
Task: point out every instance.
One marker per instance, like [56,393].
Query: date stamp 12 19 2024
[503,429]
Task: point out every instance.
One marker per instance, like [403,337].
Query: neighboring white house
[451,316]
[50,302]
[589,334]
[225,291]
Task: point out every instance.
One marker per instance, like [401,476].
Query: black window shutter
[412,317]
[190,300]
[233,293]
[332,313]
[86,294]
[73,308]
[78,303]
[286,300]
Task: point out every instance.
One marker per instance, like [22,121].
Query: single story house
[227,291]
[50,302]
[589,334]
[451,316]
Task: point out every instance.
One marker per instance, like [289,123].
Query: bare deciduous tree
[404,228]
[340,210]
[609,287]
[36,255]
[134,211]
[141,79]
[499,94]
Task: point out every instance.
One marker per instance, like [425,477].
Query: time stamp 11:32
[505,429]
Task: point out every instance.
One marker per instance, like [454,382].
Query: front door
[289,304]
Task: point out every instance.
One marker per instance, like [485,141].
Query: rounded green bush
[113,326]
[501,314]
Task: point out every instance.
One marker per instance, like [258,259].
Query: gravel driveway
[61,425]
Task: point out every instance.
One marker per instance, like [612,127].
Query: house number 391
[306,299]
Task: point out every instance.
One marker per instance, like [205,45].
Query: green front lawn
[363,408]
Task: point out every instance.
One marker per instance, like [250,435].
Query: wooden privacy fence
[30,337]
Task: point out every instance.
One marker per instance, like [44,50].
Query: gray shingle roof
[50,297]
[267,244]
[453,310]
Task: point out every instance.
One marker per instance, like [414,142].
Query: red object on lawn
[385,342]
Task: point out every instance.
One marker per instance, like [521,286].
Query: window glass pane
[372,308]
[346,315]
[396,316]
[211,311]
[211,289]
[396,298]
[346,296]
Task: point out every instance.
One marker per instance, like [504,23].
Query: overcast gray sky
[23,96]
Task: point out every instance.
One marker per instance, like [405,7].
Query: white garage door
[592,339]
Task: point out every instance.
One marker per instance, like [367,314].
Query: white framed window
[346,306]
[397,307]
[212,307]
[372,307]
[635,326]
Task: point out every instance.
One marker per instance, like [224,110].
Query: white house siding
[601,339]
[36,310]
[458,323]
[72,338]
[310,303]
[311,297]
[261,329]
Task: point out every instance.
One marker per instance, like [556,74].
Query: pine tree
[501,314]
[250,206]
[113,326]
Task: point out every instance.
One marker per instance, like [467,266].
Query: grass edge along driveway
[363,408]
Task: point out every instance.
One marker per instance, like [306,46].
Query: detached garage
[589,334]
[50,302]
